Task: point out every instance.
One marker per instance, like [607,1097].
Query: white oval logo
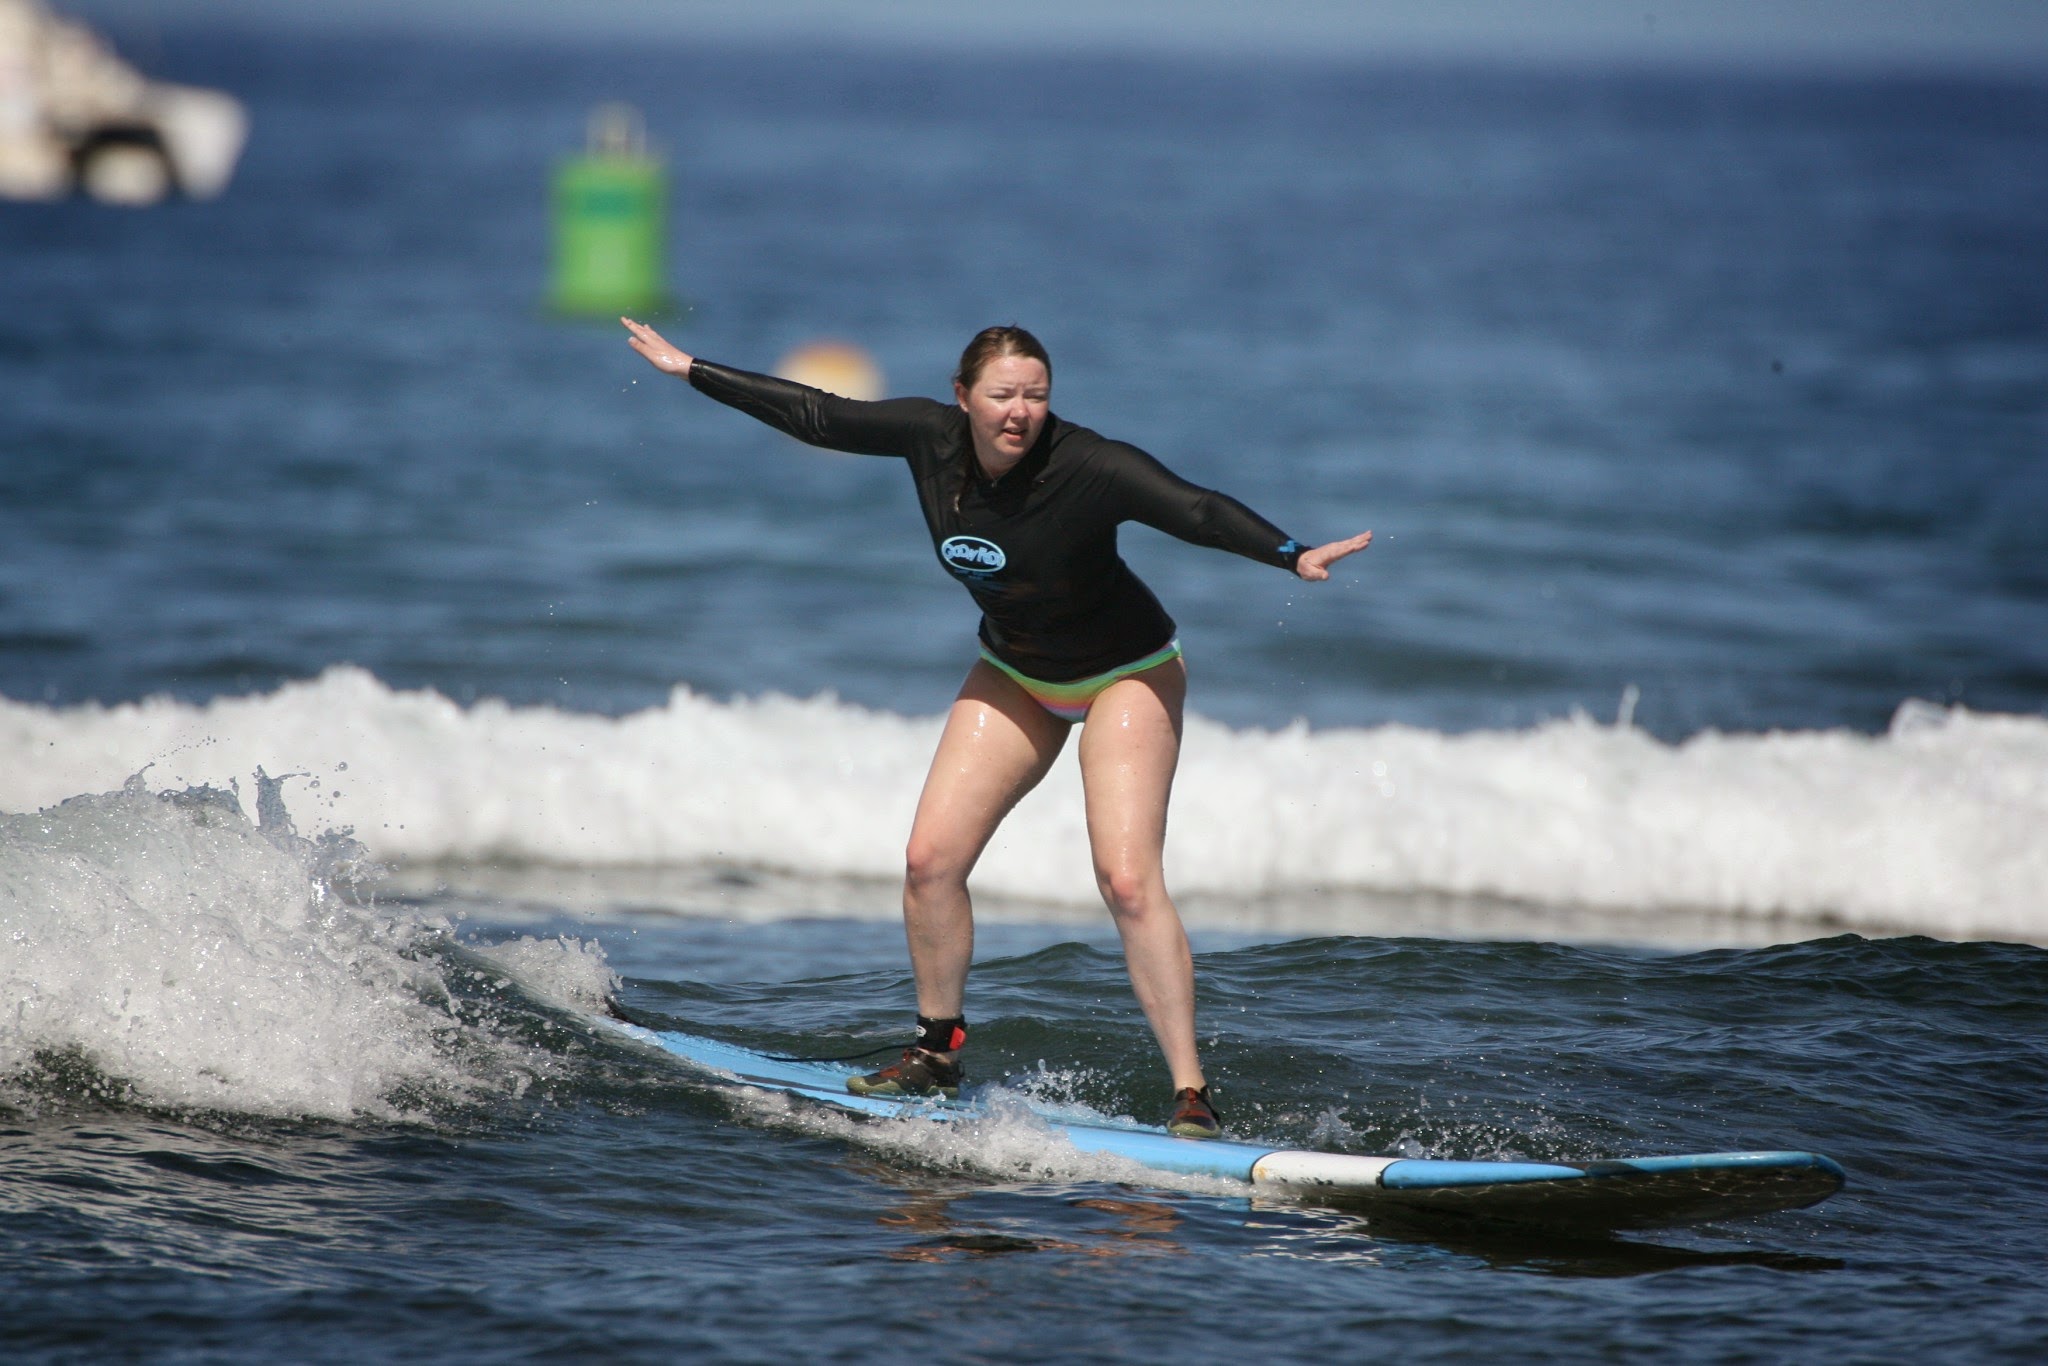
[972,555]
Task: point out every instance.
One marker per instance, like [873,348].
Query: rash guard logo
[971,557]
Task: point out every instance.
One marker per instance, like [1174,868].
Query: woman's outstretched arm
[1159,498]
[889,427]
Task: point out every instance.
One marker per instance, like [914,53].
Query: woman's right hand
[670,360]
[1314,565]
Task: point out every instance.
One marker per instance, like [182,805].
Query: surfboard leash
[946,1034]
[618,1012]
[846,1057]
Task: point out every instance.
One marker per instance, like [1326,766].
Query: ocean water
[389,671]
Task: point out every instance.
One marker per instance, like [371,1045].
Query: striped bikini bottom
[1070,701]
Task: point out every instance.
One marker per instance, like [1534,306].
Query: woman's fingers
[656,348]
[642,336]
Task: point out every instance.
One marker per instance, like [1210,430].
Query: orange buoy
[836,367]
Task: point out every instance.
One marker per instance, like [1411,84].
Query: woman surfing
[1023,508]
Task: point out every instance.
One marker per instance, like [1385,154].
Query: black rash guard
[1037,547]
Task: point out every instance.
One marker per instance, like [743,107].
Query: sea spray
[181,957]
[568,973]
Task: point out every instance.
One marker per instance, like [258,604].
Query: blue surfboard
[1618,1193]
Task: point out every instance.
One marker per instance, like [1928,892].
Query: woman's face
[1006,409]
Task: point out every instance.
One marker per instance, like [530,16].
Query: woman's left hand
[1314,565]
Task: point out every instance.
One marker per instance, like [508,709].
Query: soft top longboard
[1621,1193]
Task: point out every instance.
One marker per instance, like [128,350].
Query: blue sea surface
[1727,390]
[1708,403]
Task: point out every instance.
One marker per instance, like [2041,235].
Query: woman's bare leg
[1129,750]
[997,744]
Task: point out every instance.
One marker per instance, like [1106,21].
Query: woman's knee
[1130,894]
[931,863]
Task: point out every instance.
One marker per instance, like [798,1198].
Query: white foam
[1009,1141]
[566,972]
[197,962]
[1936,825]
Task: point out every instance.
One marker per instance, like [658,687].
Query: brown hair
[991,342]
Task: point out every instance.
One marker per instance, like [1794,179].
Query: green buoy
[611,222]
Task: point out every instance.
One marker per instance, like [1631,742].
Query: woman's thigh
[996,746]
[1129,750]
